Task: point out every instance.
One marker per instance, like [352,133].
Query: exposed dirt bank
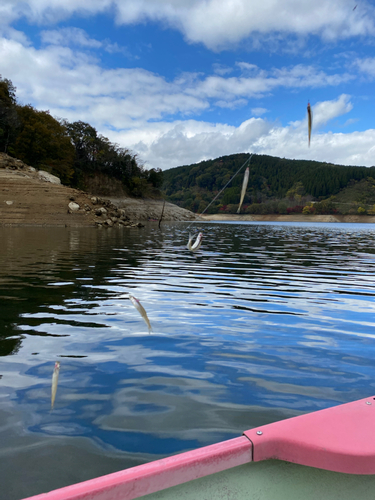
[146,209]
[31,197]
[291,218]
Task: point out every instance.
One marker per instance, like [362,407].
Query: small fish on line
[55,378]
[141,311]
[309,119]
[193,247]
[244,187]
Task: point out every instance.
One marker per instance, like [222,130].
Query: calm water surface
[265,322]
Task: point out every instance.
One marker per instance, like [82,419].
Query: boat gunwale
[339,439]
[158,475]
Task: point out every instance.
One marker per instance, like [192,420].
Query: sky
[181,81]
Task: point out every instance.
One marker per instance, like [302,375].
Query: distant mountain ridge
[275,184]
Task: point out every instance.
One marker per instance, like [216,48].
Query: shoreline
[36,198]
[354,219]
[29,197]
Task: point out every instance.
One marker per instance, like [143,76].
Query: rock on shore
[32,197]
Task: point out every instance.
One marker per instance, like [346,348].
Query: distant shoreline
[290,218]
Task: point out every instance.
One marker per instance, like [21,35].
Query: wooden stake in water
[162,212]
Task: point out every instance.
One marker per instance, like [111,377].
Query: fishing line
[219,193]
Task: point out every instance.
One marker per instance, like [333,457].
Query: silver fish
[55,378]
[193,247]
[141,311]
[244,186]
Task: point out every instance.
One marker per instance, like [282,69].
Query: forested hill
[271,179]
[75,152]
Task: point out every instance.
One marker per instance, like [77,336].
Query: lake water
[266,321]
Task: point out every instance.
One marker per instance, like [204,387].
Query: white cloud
[158,118]
[72,84]
[366,66]
[309,76]
[167,145]
[69,36]
[136,102]
[259,111]
[77,37]
[50,11]
[218,24]
[215,23]
[248,67]
[326,111]
[221,69]
[262,82]
[231,104]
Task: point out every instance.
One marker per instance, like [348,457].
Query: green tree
[69,150]
[270,178]
[155,177]
[8,113]
[296,191]
[85,140]
[139,186]
[43,142]
[282,207]
[96,154]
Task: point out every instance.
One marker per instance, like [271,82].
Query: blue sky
[180,81]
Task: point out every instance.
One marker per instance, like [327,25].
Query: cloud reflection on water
[274,321]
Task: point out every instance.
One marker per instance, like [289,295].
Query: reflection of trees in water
[36,260]
[9,346]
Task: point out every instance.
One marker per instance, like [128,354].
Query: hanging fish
[244,186]
[141,311]
[55,378]
[309,119]
[193,247]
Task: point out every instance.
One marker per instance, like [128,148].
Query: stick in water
[162,212]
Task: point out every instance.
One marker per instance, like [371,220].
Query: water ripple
[267,321]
